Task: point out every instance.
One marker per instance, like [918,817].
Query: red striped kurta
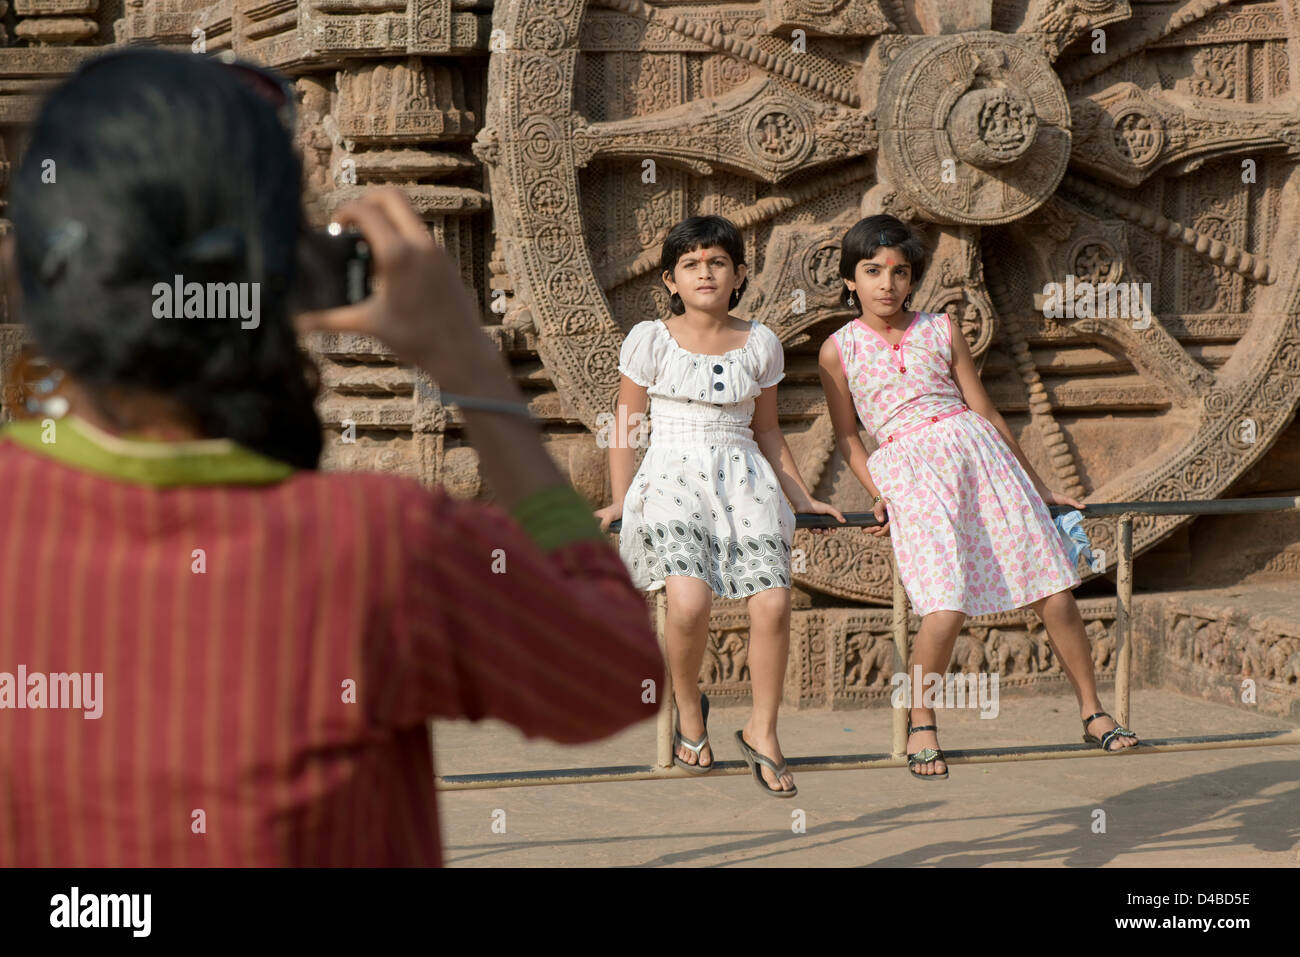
[224,691]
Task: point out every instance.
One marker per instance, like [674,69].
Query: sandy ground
[1225,808]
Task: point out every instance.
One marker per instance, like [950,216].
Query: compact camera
[336,268]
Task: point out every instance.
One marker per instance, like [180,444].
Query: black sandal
[925,755]
[1119,731]
[754,759]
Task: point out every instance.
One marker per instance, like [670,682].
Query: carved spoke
[1154,353]
[759,130]
[1141,33]
[1203,244]
[800,286]
[818,80]
[1061,22]
[1126,135]
[954,283]
[1061,456]
[1073,242]
[762,211]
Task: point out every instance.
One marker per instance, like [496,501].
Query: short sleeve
[771,367]
[639,359]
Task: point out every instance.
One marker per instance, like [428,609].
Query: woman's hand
[815,507]
[882,516]
[420,308]
[608,514]
[1056,498]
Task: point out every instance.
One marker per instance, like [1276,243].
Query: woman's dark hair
[130,162]
[701,232]
[879,232]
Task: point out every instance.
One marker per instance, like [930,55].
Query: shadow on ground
[1199,811]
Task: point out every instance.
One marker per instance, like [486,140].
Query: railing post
[667,703]
[900,655]
[1123,616]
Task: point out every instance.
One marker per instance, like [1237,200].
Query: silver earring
[850,299]
[44,402]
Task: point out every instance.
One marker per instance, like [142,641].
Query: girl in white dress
[706,513]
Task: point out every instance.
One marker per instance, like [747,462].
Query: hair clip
[61,242]
[882,241]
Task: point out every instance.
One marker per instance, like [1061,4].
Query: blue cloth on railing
[1070,525]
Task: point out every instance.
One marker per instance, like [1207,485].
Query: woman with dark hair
[198,178]
[706,513]
[969,514]
[260,644]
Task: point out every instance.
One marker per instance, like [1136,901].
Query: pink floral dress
[970,532]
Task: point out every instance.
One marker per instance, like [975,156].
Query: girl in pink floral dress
[968,514]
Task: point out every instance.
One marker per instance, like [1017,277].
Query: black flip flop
[694,746]
[754,759]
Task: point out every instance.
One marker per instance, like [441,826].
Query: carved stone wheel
[1031,153]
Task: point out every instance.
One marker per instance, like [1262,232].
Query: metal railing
[664,768]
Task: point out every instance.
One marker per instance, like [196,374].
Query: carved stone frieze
[1251,23]
[297,35]
[396,101]
[1239,646]
[55,22]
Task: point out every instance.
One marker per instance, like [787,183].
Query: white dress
[705,502]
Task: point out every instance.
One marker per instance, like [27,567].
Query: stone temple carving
[550,144]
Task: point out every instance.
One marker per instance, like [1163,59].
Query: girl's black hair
[879,232]
[701,232]
[135,158]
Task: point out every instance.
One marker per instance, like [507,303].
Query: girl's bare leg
[932,650]
[1069,640]
[686,633]
[769,650]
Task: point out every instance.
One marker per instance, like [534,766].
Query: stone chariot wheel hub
[974,129]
